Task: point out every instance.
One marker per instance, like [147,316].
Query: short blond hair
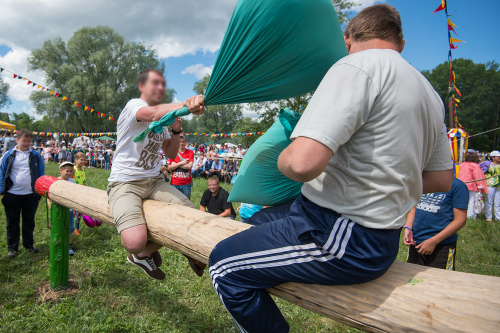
[79,155]
[214,178]
[380,21]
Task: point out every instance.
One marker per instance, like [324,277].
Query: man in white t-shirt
[136,170]
[370,142]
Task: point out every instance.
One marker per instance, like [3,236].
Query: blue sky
[425,35]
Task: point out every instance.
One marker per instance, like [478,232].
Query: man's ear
[347,42]
[402,46]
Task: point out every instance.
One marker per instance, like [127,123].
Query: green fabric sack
[271,50]
[259,180]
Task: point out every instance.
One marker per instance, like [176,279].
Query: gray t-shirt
[384,122]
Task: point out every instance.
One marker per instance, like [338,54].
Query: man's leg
[12,206]
[29,205]
[241,269]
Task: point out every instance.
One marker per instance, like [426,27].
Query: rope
[470,136]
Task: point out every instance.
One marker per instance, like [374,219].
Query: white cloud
[362,4]
[32,112]
[198,70]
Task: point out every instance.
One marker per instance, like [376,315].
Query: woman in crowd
[471,174]
[231,168]
[491,170]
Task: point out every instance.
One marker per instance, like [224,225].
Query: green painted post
[59,247]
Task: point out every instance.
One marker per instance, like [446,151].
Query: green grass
[114,297]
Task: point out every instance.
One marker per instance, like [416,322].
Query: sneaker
[156,256]
[12,254]
[147,264]
[71,252]
[197,266]
[33,250]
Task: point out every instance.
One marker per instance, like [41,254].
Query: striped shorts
[311,244]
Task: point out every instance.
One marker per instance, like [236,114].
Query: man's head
[378,26]
[216,159]
[152,85]
[182,142]
[213,184]
[24,139]
[66,170]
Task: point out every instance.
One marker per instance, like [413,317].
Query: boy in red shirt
[181,168]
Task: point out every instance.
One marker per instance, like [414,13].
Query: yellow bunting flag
[91,110]
[451,23]
[86,108]
[454,40]
[75,103]
[52,91]
[38,86]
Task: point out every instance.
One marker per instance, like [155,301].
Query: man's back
[385,121]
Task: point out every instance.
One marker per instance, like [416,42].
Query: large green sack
[259,180]
[272,49]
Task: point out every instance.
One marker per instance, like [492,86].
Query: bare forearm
[173,147]
[450,230]
[203,208]
[226,213]
[154,113]
[187,166]
[410,217]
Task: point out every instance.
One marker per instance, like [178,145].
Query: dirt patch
[44,294]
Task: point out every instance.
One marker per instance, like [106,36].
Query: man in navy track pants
[370,142]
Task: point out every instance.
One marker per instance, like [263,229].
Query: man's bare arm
[154,113]
[437,181]
[304,159]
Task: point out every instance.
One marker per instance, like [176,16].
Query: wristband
[407,227]
[176,132]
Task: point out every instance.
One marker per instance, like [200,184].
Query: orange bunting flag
[456,89]
[52,91]
[451,23]
[109,118]
[441,7]
[91,110]
[454,40]
[64,98]
[75,103]
[38,86]
[86,108]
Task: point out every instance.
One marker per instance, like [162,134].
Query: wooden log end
[43,184]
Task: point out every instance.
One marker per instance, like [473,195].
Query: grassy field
[110,296]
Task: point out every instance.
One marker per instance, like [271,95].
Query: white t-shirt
[385,124]
[132,160]
[71,180]
[20,173]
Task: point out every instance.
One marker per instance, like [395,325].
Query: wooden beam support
[408,298]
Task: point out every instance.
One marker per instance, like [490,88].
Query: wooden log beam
[408,298]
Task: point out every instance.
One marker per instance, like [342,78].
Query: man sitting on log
[136,169]
[370,142]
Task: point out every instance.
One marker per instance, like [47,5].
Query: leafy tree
[217,118]
[96,67]
[479,109]
[23,121]
[249,125]
[4,99]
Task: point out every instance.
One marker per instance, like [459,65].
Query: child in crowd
[79,178]
[63,154]
[100,157]
[164,172]
[46,153]
[431,227]
[66,170]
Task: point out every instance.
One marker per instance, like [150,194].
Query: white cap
[495,153]
[66,163]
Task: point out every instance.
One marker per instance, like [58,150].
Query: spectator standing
[181,168]
[492,172]
[19,170]
[240,150]
[9,142]
[472,175]
[431,227]
[214,200]
[107,159]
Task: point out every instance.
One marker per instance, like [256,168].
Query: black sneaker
[33,250]
[148,265]
[156,256]
[12,254]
